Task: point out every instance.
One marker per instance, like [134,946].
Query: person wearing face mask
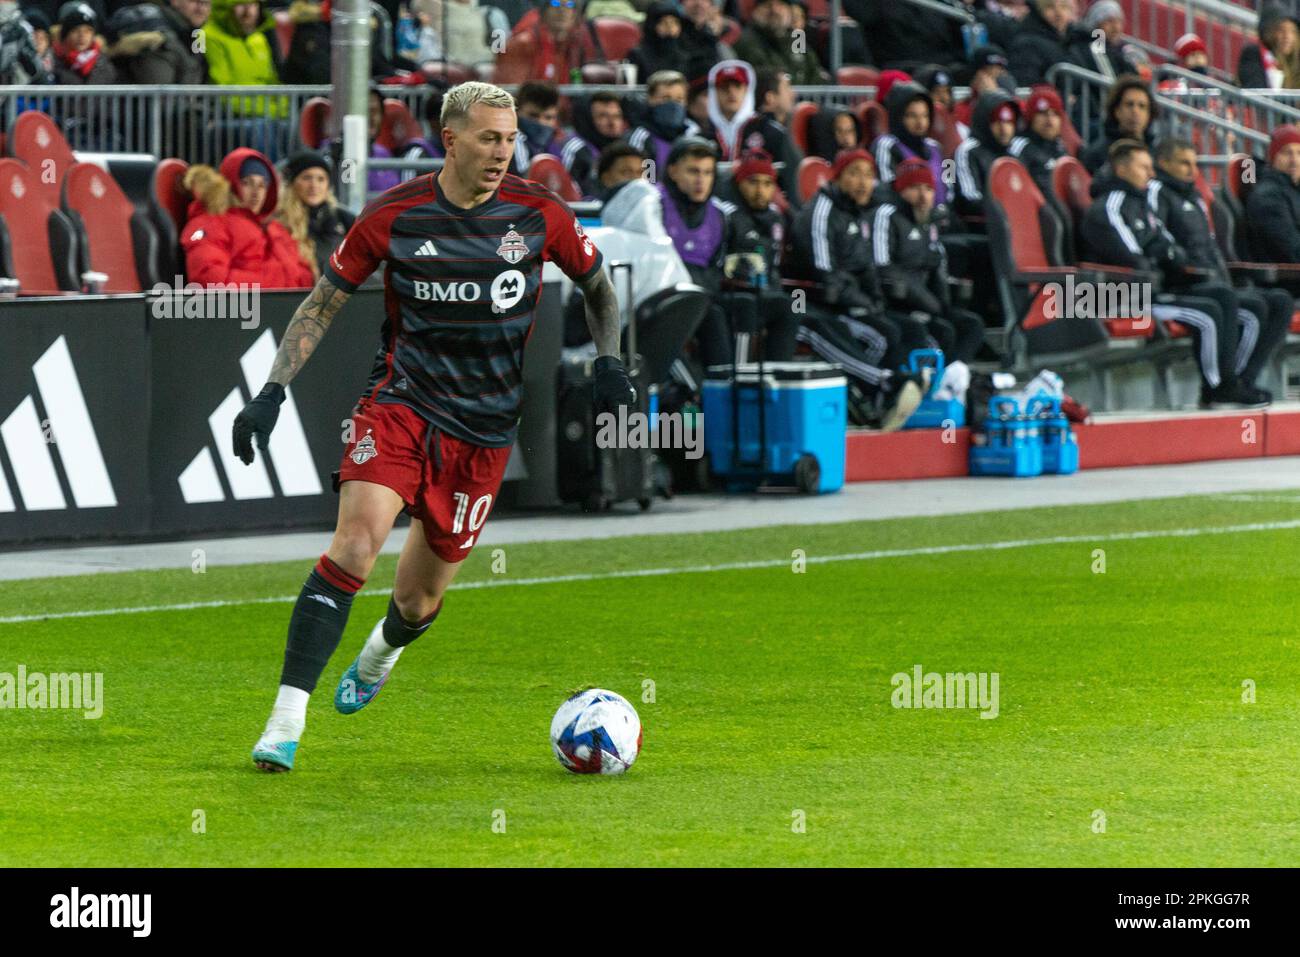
[309,210]
[766,41]
[1130,113]
[227,237]
[661,46]
[597,122]
[537,110]
[846,321]
[993,127]
[666,120]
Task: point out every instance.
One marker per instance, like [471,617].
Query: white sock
[377,657]
[289,714]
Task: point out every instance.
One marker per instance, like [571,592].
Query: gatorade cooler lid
[780,371]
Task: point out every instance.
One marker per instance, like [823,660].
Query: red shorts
[448,484]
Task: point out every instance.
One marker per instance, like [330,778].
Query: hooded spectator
[558,42]
[227,238]
[937,81]
[661,47]
[238,49]
[308,209]
[767,41]
[832,131]
[79,55]
[993,127]
[910,112]
[731,103]
[144,49]
[537,108]
[1274,62]
[1131,112]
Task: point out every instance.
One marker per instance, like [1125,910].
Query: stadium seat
[119,240]
[943,129]
[666,322]
[814,172]
[618,37]
[37,141]
[550,172]
[314,122]
[799,121]
[874,120]
[168,206]
[397,127]
[283,31]
[857,76]
[1070,183]
[37,243]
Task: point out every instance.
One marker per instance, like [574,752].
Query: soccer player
[464,250]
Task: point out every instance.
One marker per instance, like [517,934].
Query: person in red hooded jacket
[228,237]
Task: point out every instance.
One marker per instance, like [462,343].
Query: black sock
[317,624]
[398,632]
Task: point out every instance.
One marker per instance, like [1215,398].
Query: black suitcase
[599,477]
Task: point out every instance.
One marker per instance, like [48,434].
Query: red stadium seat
[37,242]
[1237,182]
[1070,136]
[814,173]
[943,129]
[119,240]
[168,208]
[397,127]
[799,121]
[874,120]
[284,26]
[37,141]
[314,122]
[618,37]
[857,76]
[550,172]
[1071,183]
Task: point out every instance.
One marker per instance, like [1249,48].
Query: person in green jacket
[767,41]
[238,38]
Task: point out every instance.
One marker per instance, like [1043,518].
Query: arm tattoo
[310,322]
[602,313]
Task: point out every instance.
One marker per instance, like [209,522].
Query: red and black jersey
[460,289]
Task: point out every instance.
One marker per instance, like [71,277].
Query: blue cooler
[787,428]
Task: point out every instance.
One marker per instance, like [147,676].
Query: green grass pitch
[1119,692]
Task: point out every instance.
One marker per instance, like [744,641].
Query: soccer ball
[596,732]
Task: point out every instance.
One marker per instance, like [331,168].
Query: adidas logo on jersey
[427,249]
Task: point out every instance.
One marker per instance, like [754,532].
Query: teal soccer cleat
[352,693]
[272,755]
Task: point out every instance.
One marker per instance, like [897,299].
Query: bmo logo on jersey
[505,292]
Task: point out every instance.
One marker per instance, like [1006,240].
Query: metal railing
[1258,109]
[1165,22]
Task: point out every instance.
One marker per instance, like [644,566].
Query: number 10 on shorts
[477,515]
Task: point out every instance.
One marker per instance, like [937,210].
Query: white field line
[695,569]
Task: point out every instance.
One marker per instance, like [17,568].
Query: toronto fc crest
[512,248]
[365,449]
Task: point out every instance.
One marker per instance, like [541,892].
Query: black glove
[258,418]
[613,388]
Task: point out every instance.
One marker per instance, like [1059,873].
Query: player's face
[607,118]
[311,186]
[481,151]
[623,170]
[921,198]
[694,177]
[1182,166]
[757,191]
[1137,171]
[858,180]
[1046,124]
[252,192]
[916,118]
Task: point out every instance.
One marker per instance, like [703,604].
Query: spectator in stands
[551,48]
[910,109]
[698,95]
[1001,21]
[619,164]
[1273,204]
[666,120]
[937,81]
[597,122]
[79,56]
[696,222]
[537,107]
[308,59]
[993,127]
[1274,62]
[731,103]
[1192,53]
[1130,113]
[767,41]
[752,248]
[145,50]
[238,50]
[831,131]
[1111,57]
[988,72]
[1264,315]
[184,20]
[702,36]
[379,180]
[20,60]
[309,210]
[662,47]
[1120,229]
[470,29]
[433,120]
[1041,146]
[912,264]
[42,27]
[766,130]
[846,321]
[1045,38]
[903,36]
[228,238]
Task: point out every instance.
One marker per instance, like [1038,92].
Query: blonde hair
[458,100]
[292,212]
